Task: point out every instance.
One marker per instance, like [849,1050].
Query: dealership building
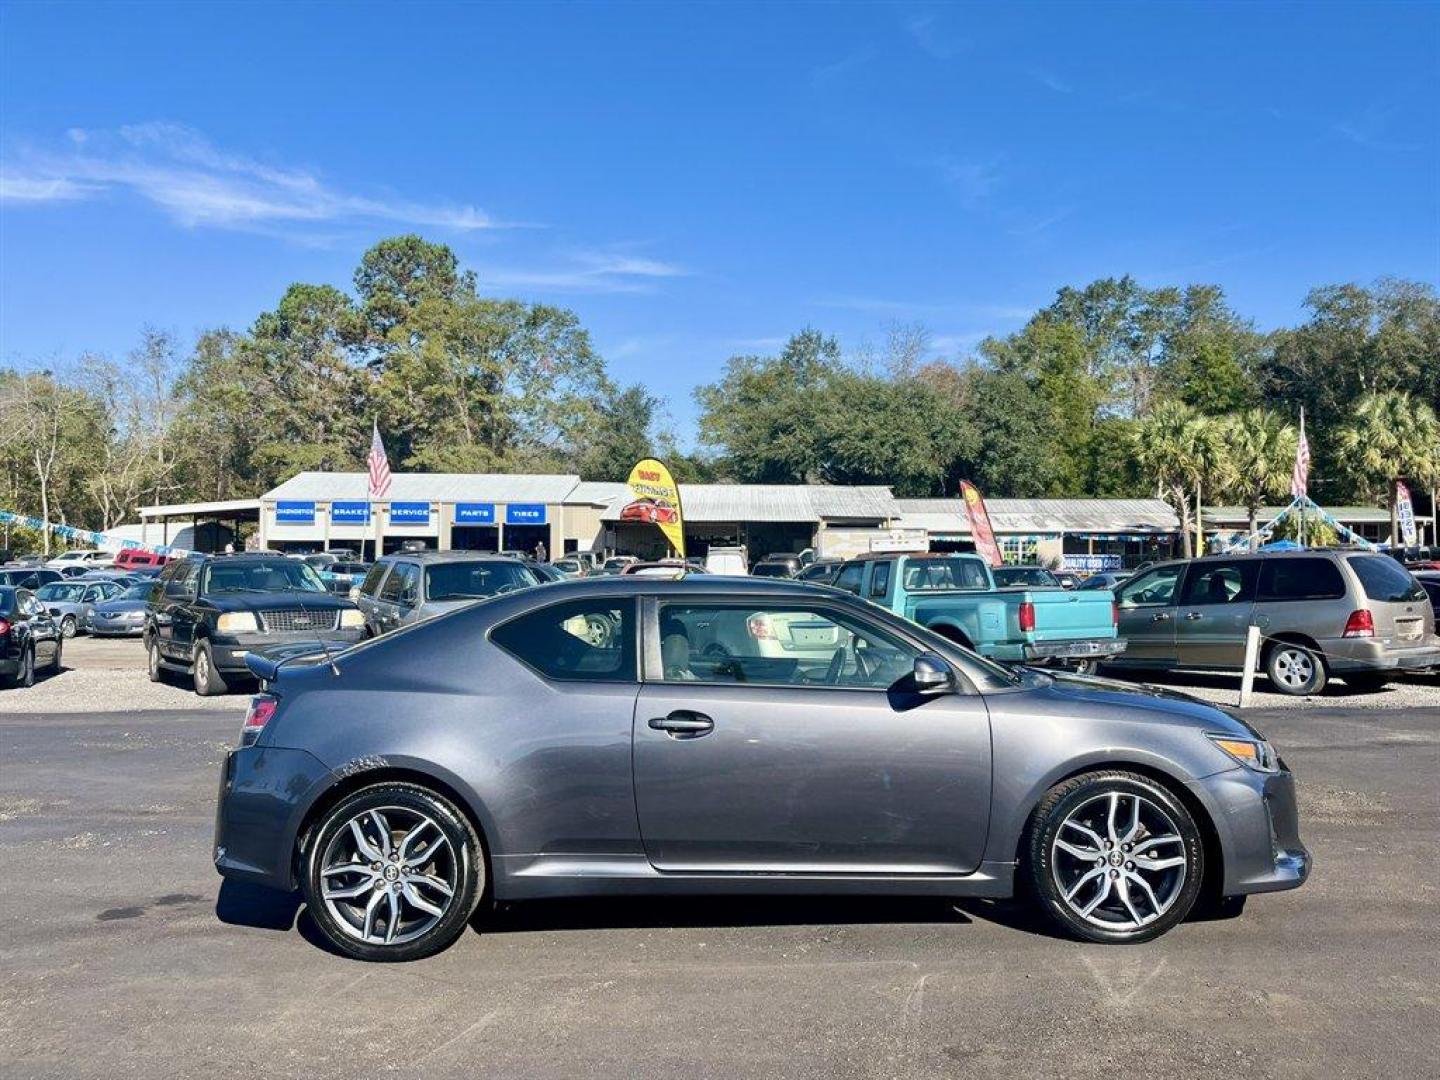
[315,511]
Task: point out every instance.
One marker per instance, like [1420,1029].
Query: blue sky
[698,181]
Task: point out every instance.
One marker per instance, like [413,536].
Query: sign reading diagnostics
[295,513]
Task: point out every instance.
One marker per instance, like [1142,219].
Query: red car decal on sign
[654,511]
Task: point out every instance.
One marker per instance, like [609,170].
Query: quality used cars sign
[657,501]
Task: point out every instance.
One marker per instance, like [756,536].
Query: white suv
[90,560]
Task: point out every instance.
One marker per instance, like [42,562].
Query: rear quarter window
[591,640]
[1385,580]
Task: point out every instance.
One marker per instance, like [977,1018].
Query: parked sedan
[123,615]
[541,760]
[70,602]
[29,637]
[1105,579]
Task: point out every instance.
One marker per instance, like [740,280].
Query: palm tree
[1260,451]
[1390,436]
[1178,448]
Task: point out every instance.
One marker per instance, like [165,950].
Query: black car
[29,637]
[1430,582]
[210,611]
[29,577]
[779,564]
[821,571]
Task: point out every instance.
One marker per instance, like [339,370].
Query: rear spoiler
[262,667]
[266,665]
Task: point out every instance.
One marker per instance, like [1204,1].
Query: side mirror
[932,675]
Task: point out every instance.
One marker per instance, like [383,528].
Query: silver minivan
[1352,614]
[406,588]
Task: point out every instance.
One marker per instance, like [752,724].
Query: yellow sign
[657,501]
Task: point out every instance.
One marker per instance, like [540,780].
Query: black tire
[208,681]
[1177,892]
[152,659]
[55,665]
[467,871]
[1367,681]
[26,675]
[68,627]
[1295,669]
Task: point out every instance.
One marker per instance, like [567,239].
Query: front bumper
[1380,654]
[229,651]
[264,792]
[1258,826]
[115,624]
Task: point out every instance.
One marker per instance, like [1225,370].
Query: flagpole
[1306,494]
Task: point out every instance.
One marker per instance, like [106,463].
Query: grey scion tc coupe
[724,735]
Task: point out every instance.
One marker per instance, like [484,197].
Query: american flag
[1300,478]
[379,466]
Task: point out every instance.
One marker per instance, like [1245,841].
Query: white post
[1252,659]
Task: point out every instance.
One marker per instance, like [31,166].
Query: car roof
[716,585]
[450,556]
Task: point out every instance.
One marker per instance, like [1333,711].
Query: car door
[368,597]
[44,631]
[751,762]
[175,621]
[1146,607]
[1214,612]
[387,601]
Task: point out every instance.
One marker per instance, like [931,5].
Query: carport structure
[198,526]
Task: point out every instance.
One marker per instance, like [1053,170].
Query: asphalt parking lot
[122,954]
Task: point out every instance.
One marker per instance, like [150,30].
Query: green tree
[1390,436]
[1260,449]
[1178,448]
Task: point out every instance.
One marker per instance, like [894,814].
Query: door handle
[683,724]
[1160,617]
[1193,615]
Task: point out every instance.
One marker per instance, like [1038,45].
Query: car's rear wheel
[55,664]
[67,626]
[1114,857]
[1295,669]
[393,872]
[25,673]
[208,681]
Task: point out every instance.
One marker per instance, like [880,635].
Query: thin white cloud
[928,31]
[1050,80]
[585,272]
[973,180]
[877,305]
[197,184]
[16,187]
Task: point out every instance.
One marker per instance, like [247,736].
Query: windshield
[924,575]
[1024,575]
[137,592]
[63,593]
[474,581]
[261,575]
[616,564]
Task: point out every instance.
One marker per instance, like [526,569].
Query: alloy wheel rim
[389,875]
[202,667]
[67,627]
[1294,667]
[1119,861]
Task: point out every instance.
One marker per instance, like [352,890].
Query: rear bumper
[1086,649]
[1258,826]
[264,792]
[1370,654]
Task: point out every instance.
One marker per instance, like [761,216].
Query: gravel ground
[103,674]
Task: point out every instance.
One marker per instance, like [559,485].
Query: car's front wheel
[393,872]
[68,626]
[1114,857]
[208,681]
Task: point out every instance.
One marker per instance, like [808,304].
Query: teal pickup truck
[956,596]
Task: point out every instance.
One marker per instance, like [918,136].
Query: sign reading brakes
[657,501]
[350,513]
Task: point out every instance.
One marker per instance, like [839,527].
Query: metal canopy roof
[811,503]
[1238,515]
[947,516]
[226,508]
[547,488]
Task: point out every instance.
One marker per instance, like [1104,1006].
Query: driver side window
[1155,588]
[779,645]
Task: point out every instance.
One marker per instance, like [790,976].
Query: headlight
[237,622]
[1255,754]
[350,619]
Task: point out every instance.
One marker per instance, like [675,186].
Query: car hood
[1159,703]
[276,601]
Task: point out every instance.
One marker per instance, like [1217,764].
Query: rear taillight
[1360,624]
[262,708]
[1027,616]
[4,627]
[1115,614]
[759,627]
